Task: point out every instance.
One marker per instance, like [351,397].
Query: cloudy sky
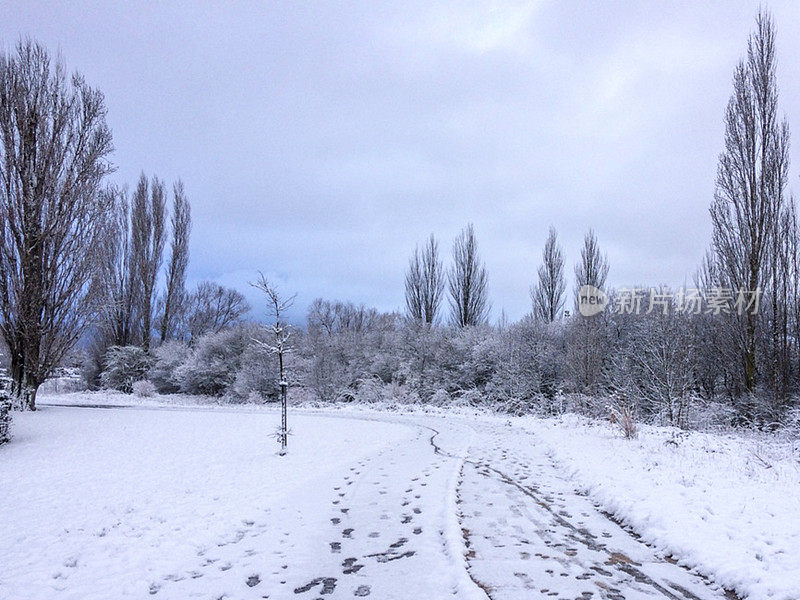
[319,142]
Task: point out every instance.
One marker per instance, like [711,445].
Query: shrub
[228,363]
[144,388]
[398,394]
[468,398]
[623,415]
[257,374]
[168,357]
[124,365]
[369,390]
[441,398]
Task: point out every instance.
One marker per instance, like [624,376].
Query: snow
[125,503]
[177,497]
[723,504]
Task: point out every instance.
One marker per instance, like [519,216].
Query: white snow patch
[723,504]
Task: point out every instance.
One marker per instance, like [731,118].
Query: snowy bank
[723,504]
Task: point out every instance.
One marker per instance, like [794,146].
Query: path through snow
[531,534]
[184,504]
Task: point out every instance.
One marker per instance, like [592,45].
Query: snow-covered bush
[468,398]
[257,373]
[369,390]
[167,358]
[372,390]
[515,406]
[124,365]
[398,394]
[144,388]
[792,421]
[557,405]
[623,415]
[653,364]
[254,397]
[212,366]
[441,398]
[230,363]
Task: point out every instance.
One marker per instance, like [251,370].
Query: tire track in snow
[670,580]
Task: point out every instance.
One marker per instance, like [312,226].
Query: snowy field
[724,504]
[193,502]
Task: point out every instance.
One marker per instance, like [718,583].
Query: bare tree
[112,282]
[587,352]
[655,365]
[53,157]
[175,295]
[132,254]
[148,224]
[548,294]
[468,282]
[424,283]
[776,346]
[212,308]
[715,349]
[592,269]
[751,179]
[277,305]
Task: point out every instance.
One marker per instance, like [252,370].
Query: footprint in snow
[350,566]
[328,585]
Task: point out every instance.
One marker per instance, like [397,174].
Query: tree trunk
[750,355]
[25,389]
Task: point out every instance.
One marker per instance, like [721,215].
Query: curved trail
[528,533]
[459,509]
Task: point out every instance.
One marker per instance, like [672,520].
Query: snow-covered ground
[194,502]
[127,503]
[724,504]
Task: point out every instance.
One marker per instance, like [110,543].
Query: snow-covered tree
[277,305]
[54,144]
[653,366]
[424,283]
[468,282]
[213,308]
[174,303]
[548,293]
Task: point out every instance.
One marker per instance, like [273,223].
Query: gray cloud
[320,142]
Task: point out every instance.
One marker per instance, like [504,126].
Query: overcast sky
[320,142]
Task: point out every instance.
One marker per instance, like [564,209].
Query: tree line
[664,364]
[81,260]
